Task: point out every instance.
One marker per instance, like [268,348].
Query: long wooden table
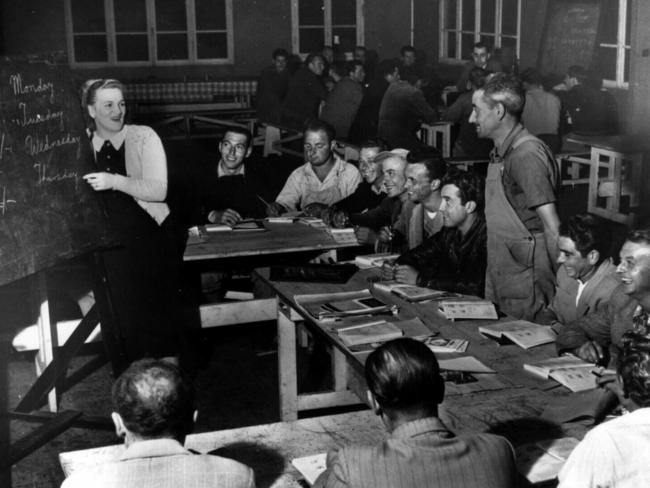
[510,399]
[255,248]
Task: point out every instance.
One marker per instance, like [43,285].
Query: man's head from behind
[423,177]
[462,198]
[480,54]
[393,167]
[151,401]
[634,268]
[584,243]
[235,147]
[501,98]
[318,142]
[404,381]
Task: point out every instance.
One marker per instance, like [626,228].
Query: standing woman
[131,179]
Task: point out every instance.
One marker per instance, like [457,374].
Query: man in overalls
[520,195]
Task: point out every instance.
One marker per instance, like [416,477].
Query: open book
[524,334]
[543,460]
[333,306]
[414,293]
[243,225]
[569,370]
[311,467]
[461,308]
[368,333]
[374,260]
[441,345]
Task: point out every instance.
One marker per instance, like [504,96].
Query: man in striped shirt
[405,389]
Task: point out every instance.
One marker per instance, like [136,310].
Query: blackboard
[47,211]
[570,33]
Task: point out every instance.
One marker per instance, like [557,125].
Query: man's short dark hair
[407,49]
[639,236]
[588,233]
[578,72]
[313,55]
[478,77]
[318,125]
[634,366]
[242,131]
[532,76]
[403,374]
[387,67]
[481,45]
[351,66]
[507,90]
[280,52]
[153,400]
[381,144]
[434,163]
[470,186]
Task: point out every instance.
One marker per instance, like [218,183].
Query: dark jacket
[305,93]
[451,261]
[363,198]
[271,90]
[592,111]
[386,213]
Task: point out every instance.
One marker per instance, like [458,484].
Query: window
[612,56]
[326,22]
[466,22]
[149,32]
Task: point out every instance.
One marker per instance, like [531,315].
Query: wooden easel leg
[48,336]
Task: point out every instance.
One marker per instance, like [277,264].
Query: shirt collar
[116,139]
[336,169]
[222,172]
[503,149]
[420,427]
[153,448]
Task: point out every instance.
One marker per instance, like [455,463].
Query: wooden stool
[437,135]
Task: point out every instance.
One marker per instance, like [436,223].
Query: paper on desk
[311,467]
[543,460]
[464,363]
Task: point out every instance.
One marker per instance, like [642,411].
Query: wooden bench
[267,449]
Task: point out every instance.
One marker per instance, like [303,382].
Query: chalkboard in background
[569,35]
[48,213]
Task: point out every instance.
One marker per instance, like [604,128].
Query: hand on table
[365,235]
[591,352]
[100,181]
[314,209]
[406,274]
[385,234]
[227,216]
[274,209]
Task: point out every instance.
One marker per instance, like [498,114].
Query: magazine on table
[521,332]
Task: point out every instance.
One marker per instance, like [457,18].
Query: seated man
[405,389]
[481,58]
[154,412]
[586,277]
[419,218]
[325,178]
[370,191]
[386,213]
[343,101]
[234,189]
[455,258]
[615,453]
[596,336]
[272,88]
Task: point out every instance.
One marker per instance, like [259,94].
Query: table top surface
[508,399]
[619,143]
[277,239]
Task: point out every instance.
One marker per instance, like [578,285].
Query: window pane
[311,39]
[132,47]
[210,14]
[310,12]
[130,15]
[608,22]
[212,45]
[605,62]
[509,43]
[626,69]
[450,14]
[88,16]
[347,38]
[451,44]
[344,12]
[90,48]
[172,46]
[489,42]
[170,15]
[488,15]
[628,23]
[469,14]
[509,17]
[467,44]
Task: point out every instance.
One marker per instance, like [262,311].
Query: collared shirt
[541,113]
[116,140]
[163,463]
[581,287]
[304,187]
[612,455]
[423,453]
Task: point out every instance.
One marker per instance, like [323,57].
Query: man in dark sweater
[455,258]
[233,190]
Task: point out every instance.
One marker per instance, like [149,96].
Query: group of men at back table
[497,236]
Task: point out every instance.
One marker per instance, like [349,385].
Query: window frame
[477,32]
[327,25]
[111,38]
[621,48]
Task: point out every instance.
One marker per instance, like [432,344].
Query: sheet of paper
[464,363]
[311,467]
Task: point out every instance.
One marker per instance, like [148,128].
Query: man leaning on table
[405,389]
[587,276]
[154,411]
[324,179]
[596,336]
[453,259]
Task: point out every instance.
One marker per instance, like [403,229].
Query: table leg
[287,367]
